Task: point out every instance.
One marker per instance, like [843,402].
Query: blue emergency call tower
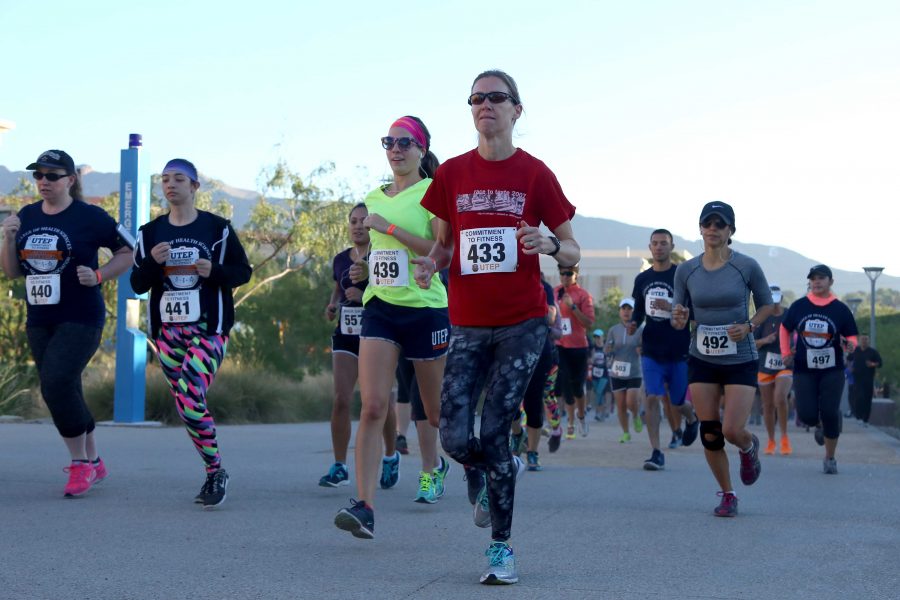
[131,342]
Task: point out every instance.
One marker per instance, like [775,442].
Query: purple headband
[179,165]
[412,126]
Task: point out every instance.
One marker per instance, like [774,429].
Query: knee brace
[714,430]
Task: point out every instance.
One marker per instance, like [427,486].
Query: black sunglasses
[478,98]
[717,223]
[566,273]
[403,143]
[50,176]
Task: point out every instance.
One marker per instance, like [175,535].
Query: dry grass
[239,394]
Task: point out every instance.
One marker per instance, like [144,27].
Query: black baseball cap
[718,208]
[54,159]
[820,270]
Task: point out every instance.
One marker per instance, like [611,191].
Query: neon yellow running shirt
[406,212]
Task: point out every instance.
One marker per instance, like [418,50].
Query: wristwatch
[556,243]
[750,325]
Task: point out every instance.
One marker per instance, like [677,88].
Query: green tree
[294,231]
[606,313]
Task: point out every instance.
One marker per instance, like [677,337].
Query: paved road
[591,525]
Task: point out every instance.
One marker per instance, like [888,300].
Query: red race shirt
[577,334]
[492,282]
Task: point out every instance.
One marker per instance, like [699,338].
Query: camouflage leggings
[499,360]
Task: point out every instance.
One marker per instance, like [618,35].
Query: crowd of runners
[443,318]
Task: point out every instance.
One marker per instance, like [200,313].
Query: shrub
[18,385]
[238,395]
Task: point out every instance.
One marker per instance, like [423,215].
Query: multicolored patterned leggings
[190,359]
[550,396]
[499,360]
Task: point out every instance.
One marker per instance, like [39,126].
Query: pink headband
[414,128]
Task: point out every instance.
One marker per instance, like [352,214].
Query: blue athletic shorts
[658,374]
[421,333]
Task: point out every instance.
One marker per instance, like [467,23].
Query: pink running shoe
[728,507]
[750,465]
[100,472]
[81,476]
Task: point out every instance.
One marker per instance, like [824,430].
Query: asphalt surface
[593,524]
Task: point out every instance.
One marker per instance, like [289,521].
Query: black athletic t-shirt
[770,361]
[653,293]
[819,330]
[340,268]
[179,296]
[50,248]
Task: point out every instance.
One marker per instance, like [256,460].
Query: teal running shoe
[390,471]
[501,565]
[438,475]
[425,495]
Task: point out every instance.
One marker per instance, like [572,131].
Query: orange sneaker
[786,446]
[770,446]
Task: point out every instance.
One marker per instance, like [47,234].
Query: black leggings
[818,396]
[408,389]
[861,398]
[61,352]
[572,373]
[533,402]
[500,360]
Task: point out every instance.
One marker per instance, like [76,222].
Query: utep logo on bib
[815,333]
[41,252]
[181,268]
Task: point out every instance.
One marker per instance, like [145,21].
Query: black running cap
[820,270]
[54,159]
[718,208]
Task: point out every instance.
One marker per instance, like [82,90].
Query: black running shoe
[358,519]
[819,435]
[555,439]
[474,482]
[204,490]
[216,484]
[690,432]
[402,445]
[516,445]
[676,439]
[656,462]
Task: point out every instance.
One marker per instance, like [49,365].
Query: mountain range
[782,265]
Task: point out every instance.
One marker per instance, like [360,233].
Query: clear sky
[790,111]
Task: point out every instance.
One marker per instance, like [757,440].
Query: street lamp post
[872,273]
[854,303]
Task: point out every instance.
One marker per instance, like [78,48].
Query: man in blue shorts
[664,349]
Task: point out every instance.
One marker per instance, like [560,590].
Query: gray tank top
[718,299]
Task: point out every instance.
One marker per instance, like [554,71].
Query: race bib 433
[488,250]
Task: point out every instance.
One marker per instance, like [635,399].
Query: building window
[608,282]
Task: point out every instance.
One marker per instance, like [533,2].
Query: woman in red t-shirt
[489,203]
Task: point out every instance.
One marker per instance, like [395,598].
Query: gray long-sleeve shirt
[718,299]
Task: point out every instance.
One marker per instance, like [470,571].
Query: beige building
[602,270]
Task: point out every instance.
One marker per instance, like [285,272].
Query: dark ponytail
[75,191]
[429,162]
